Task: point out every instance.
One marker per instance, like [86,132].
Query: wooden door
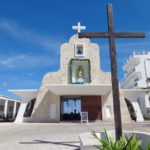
[92,104]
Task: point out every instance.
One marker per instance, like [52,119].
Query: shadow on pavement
[71,144]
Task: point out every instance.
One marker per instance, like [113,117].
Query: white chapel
[78,86]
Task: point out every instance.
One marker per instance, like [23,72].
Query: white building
[137,76]
[8,107]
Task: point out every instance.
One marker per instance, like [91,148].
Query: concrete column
[14,109]
[21,111]
[138,111]
[6,108]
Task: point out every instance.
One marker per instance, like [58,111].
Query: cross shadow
[70,144]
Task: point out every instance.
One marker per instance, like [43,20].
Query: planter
[87,141]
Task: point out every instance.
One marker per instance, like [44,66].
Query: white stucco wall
[46,98]
[45,112]
[144,103]
[132,96]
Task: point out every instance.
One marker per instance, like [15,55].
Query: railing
[130,72]
[127,76]
[133,61]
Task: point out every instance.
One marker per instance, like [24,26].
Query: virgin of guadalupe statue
[80,78]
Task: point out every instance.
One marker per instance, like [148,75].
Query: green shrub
[125,143]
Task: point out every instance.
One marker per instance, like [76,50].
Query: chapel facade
[78,86]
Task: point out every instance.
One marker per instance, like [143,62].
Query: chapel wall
[107,103]
[67,53]
[125,115]
[42,113]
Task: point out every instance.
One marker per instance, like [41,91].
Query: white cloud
[4,83]
[25,61]
[11,60]
[19,84]
[20,33]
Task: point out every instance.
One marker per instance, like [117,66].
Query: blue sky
[31,33]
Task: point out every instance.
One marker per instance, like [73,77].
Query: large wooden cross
[111,34]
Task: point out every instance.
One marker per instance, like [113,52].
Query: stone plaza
[54,136]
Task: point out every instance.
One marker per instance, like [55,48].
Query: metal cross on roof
[79,27]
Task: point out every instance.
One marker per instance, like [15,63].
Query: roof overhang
[72,89]
[25,94]
[133,93]
[80,89]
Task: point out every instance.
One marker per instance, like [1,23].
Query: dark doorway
[131,110]
[70,108]
[29,108]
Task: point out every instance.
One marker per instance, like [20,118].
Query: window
[79,50]
[10,108]
[1,107]
[136,84]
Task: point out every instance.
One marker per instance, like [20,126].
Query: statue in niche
[80,78]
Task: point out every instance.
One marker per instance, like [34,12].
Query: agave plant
[148,147]
[125,143]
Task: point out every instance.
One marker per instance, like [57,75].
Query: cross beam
[116,35]
[111,34]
